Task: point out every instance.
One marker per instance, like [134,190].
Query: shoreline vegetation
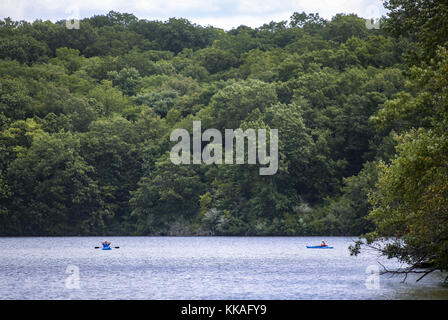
[87,115]
[362,115]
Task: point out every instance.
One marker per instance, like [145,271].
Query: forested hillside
[86,115]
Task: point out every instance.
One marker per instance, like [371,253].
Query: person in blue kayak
[323,244]
[106,244]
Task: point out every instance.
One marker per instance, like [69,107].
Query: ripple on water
[197,268]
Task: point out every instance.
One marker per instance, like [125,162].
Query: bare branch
[426,273]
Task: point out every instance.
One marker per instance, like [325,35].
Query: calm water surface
[199,268]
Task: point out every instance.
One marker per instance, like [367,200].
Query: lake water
[199,268]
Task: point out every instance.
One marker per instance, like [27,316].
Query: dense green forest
[86,116]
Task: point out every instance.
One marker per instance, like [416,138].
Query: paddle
[114,247]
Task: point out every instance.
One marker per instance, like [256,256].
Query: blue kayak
[319,247]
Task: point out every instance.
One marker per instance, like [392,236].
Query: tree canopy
[86,116]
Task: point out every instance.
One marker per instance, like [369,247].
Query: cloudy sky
[222,14]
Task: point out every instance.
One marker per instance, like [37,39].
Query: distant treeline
[86,115]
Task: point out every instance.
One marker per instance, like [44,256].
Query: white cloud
[224,14]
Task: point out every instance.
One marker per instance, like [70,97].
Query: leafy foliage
[410,200]
[86,115]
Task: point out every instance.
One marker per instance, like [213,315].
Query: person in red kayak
[323,244]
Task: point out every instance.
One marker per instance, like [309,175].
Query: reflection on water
[200,268]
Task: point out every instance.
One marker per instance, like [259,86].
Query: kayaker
[323,244]
[106,244]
